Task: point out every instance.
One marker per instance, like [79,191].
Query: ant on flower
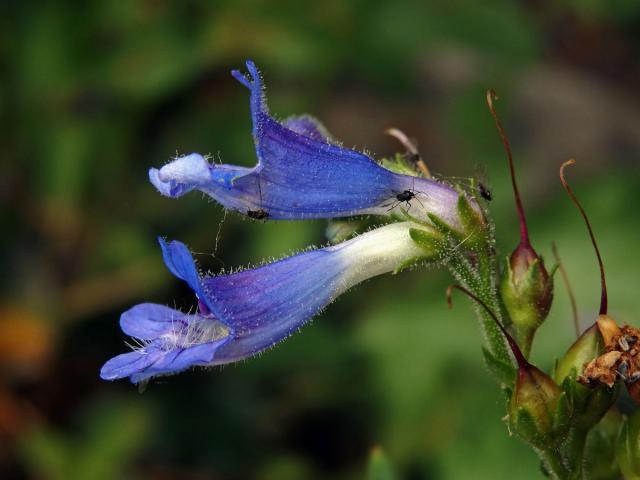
[260,213]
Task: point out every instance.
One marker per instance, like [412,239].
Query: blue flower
[247,312]
[302,173]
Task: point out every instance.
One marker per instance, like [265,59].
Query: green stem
[565,462]
[525,340]
[552,461]
[482,287]
[572,450]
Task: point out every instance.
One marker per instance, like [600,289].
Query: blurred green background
[92,94]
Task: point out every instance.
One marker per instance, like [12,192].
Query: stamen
[567,284]
[524,232]
[411,148]
[603,282]
[515,349]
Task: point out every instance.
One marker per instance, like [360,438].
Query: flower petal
[171,341]
[128,364]
[148,321]
[308,126]
[178,360]
[267,304]
[179,261]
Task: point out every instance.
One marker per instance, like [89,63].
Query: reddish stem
[524,231]
[515,349]
[604,302]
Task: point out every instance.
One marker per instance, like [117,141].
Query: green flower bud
[588,404]
[533,409]
[527,292]
[587,347]
[526,288]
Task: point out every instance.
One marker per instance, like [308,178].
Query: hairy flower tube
[247,312]
[302,173]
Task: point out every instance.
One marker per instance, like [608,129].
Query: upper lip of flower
[301,173]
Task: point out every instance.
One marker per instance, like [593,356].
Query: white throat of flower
[378,251]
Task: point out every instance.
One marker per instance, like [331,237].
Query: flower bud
[589,404]
[534,406]
[587,347]
[527,292]
[526,288]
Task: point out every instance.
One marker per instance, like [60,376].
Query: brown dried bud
[620,359]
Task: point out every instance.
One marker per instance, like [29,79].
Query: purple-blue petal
[308,126]
[267,304]
[129,364]
[179,261]
[153,360]
[168,341]
[149,320]
[178,360]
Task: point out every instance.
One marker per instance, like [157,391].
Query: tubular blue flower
[302,173]
[247,312]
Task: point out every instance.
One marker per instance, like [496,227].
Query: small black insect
[484,192]
[259,214]
[405,197]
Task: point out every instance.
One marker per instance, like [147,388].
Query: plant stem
[483,288]
[553,464]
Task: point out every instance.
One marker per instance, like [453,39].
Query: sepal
[400,164]
[473,223]
[587,347]
[431,241]
[527,292]
[537,410]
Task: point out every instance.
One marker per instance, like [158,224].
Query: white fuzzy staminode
[378,251]
[195,332]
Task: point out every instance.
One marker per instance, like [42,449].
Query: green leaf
[504,372]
